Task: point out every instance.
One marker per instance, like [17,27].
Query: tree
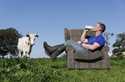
[8,41]
[119,45]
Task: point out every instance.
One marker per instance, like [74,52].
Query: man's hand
[84,35]
[91,47]
[79,42]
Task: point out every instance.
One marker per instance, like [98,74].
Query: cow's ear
[37,36]
[27,35]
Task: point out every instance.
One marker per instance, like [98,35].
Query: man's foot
[48,49]
[56,53]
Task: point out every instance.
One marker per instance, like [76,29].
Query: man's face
[97,27]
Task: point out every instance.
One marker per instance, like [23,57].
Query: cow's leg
[19,53]
[27,54]
[22,53]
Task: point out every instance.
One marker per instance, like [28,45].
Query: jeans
[79,49]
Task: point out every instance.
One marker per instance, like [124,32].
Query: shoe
[48,49]
[57,52]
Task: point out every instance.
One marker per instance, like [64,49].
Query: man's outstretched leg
[54,51]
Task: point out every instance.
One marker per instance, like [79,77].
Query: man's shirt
[98,39]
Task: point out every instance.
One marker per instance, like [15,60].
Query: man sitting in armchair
[87,42]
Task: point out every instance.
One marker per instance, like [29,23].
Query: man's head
[100,27]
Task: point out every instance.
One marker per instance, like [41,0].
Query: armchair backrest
[75,34]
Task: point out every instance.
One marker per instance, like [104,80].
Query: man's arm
[91,47]
[83,36]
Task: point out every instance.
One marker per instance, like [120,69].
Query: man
[87,42]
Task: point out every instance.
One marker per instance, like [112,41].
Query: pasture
[47,70]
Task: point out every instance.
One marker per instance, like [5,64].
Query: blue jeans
[79,49]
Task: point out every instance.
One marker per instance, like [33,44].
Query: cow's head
[32,38]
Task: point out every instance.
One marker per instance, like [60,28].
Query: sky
[48,18]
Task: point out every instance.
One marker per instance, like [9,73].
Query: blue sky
[50,17]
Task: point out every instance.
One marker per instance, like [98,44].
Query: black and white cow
[25,44]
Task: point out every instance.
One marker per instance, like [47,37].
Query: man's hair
[102,25]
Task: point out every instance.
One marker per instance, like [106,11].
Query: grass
[46,70]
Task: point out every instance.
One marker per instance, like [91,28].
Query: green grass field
[46,70]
